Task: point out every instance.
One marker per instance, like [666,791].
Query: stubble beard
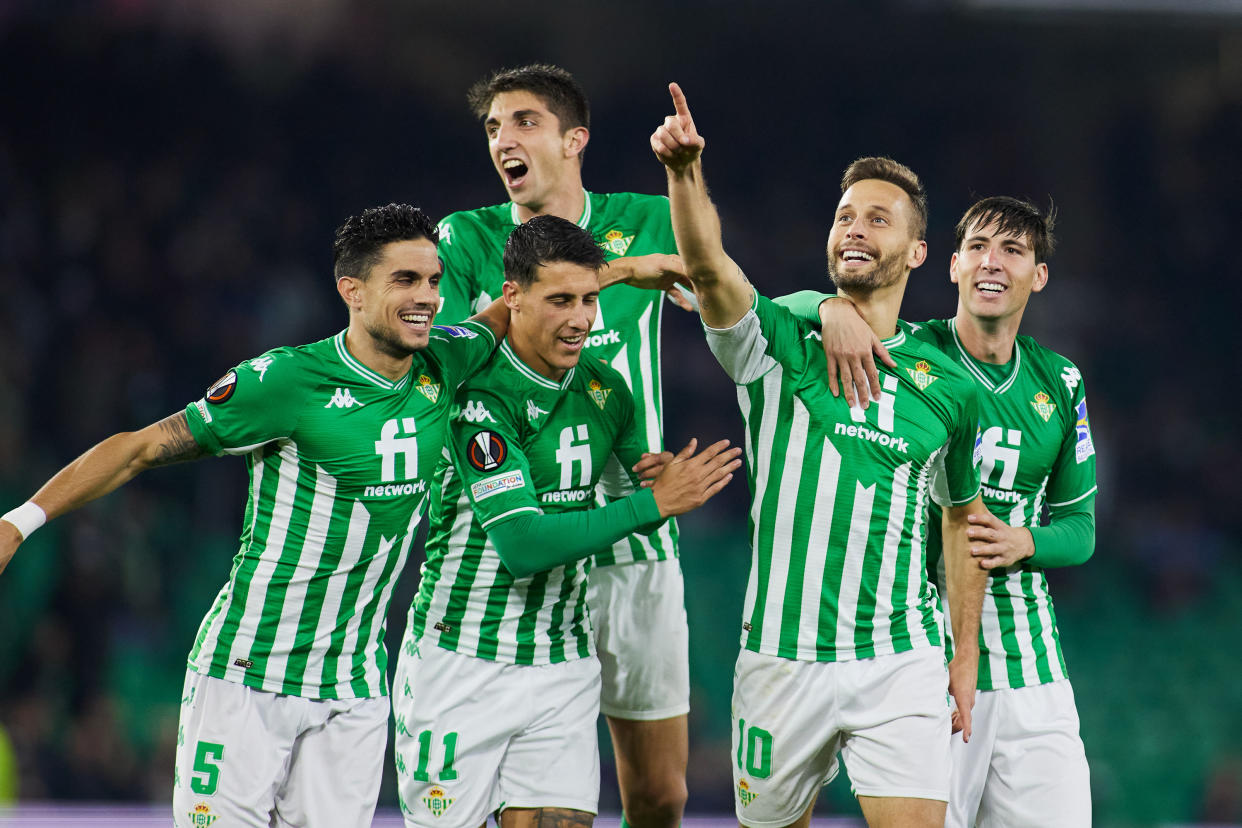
[887,271]
[389,342]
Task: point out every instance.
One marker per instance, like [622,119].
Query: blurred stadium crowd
[167,199]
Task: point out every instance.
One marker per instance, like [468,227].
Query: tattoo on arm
[562,818]
[177,444]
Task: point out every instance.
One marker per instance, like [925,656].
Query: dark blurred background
[171,175]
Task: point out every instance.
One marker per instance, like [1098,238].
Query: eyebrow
[416,274]
[879,208]
[982,237]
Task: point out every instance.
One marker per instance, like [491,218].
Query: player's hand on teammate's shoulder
[850,347]
[677,142]
[657,271]
[689,480]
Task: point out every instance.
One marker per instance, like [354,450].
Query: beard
[884,271]
[388,341]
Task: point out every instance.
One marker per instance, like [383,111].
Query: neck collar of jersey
[355,365]
[896,340]
[584,221]
[972,364]
[533,375]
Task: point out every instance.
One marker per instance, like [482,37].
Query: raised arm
[723,293]
[108,466]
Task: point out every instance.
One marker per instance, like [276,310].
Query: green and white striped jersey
[839,507]
[340,461]
[1037,451]
[519,443]
[626,333]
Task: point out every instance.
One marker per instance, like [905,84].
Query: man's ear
[512,295]
[351,291]
[575,141]
[1041,277]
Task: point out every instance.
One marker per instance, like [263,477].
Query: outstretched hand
[677,142]
[690,480]
[660,271]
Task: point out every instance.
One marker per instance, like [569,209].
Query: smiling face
[995,272]
[871,244]
[397,301]
[536,160]
[550,319]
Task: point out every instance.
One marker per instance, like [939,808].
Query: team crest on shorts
[1042,406]
[429,389]
[921,374]
[744,794]
[202,816]
[438,801]
[615,241]
[598,393]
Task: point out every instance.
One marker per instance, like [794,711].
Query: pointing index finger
[679,101]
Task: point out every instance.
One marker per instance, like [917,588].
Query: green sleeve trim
[1069,539]
[528,543]
[804,304]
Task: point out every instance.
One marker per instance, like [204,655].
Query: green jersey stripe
[811,624]
[762,574]
[882,627]
[285,657]
[849,607]
[788,567]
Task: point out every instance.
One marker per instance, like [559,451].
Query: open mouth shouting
[515,170]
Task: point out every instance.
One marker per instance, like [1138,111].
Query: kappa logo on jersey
[495,485]
[261,364]
[476,412]
[744,794]
[598,393]
[1071,376]
[202,816]
[429,389]
[486,451]
[456,331]
[1043,406]
[616,242]
[438,801]
[921,374]
[343,398]
[533,411]
[1083,447]
[222,389]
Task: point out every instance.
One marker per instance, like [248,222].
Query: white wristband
[27,518]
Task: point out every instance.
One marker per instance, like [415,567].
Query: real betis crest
[598,393]
[430,389]
[202,816]
[438,801]
[615,241]
[1042,405]
[921,374]
[744,793]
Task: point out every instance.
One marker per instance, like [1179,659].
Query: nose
[991,261]
[504,137]
[584,316]
[855,229]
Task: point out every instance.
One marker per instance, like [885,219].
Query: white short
[250,757]
[475,736]
[888,716]
[1024,765]
[638,612]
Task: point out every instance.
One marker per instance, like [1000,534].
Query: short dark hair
[894,172]
[547,239]
[558,90]
[356,248]
[1014,217]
